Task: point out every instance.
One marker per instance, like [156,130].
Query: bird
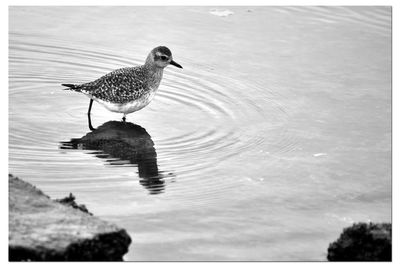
[128,89]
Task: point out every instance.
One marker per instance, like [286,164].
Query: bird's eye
[164,58]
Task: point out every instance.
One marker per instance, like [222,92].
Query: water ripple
[220,113]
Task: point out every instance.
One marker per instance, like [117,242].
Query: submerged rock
[363,242]
[41,229]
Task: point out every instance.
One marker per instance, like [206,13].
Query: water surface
[274,136]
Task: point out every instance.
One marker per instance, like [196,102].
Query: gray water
[274,136]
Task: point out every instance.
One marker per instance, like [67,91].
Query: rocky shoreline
[363,242]
[42,229]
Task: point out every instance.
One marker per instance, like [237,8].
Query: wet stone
[363,242]
[41,229]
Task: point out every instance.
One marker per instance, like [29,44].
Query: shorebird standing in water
[129,89]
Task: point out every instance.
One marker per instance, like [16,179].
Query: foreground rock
[41,229]
[70,201]
[363,242]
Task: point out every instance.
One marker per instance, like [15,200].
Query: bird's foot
[124,119]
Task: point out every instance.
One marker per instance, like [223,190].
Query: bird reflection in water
[122,143]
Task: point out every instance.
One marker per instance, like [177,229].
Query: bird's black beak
[175,64]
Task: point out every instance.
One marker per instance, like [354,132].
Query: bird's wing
[119,86]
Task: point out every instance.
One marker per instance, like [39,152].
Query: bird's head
[161,57]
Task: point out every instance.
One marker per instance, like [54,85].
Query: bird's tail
[70,86]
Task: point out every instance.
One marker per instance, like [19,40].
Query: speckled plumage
[121,85]
[129,89]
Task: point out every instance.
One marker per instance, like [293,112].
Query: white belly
[129,107]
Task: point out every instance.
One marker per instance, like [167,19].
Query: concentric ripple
[223,123]
[200,119]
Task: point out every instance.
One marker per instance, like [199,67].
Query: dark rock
[41,229]
[363,242]
[70,201]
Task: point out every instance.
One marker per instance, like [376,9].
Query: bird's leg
[89,120]
[124,118]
